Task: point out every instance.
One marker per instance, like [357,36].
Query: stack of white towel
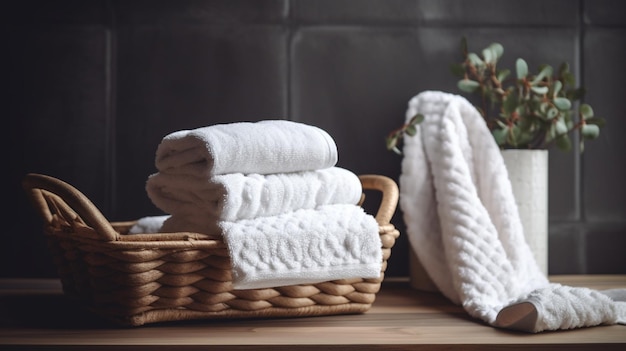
[273,191]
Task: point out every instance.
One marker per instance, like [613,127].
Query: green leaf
[564,143]
[500,135]
[599,121]
[568,78]
[417,119]
[488,56]
[502,75]
[590,131]
[586,111]
[463,45]
[551,133]
[513,135]
[525,124]
[524,138]
[539,90]
[563,68]
[562,103]
[509,103]
[410,130]
[497,49]
[556,89]
[467,85]
[475,60]
[521,68]
[391,141]
[546,71]
[457,69]
[561,127]
[576,94]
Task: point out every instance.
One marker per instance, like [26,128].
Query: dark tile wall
[181,66]
[92,86]
[603,166]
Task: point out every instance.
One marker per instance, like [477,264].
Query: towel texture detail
[264,147]
[304,246]
[234,196]
[463,224]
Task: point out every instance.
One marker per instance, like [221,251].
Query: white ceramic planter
[528,172]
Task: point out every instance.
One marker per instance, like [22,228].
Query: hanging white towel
[234,196]
[463,224]
[264,147]
[304,247]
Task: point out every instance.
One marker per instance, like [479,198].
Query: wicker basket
[145,278]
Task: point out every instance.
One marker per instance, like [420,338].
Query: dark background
[91,87]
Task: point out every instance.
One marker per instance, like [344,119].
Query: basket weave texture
[137,279]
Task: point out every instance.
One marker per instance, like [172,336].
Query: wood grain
[35,315]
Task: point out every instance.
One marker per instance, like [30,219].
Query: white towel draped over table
[463,224]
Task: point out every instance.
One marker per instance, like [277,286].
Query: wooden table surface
[34,315]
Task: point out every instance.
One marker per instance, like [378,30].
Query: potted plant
[530,111]
[527,114]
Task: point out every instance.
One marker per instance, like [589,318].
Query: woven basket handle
[52,196]
[390,192]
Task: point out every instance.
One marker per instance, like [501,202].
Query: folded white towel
[304,247]
[463,224]
[174,224]
[150,225]
[270,146]
[193,224]
[235,196]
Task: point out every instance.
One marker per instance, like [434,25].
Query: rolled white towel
[264,147]
[236,196]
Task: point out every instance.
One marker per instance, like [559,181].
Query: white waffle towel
[463,224]
[304,247]
[234,196]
